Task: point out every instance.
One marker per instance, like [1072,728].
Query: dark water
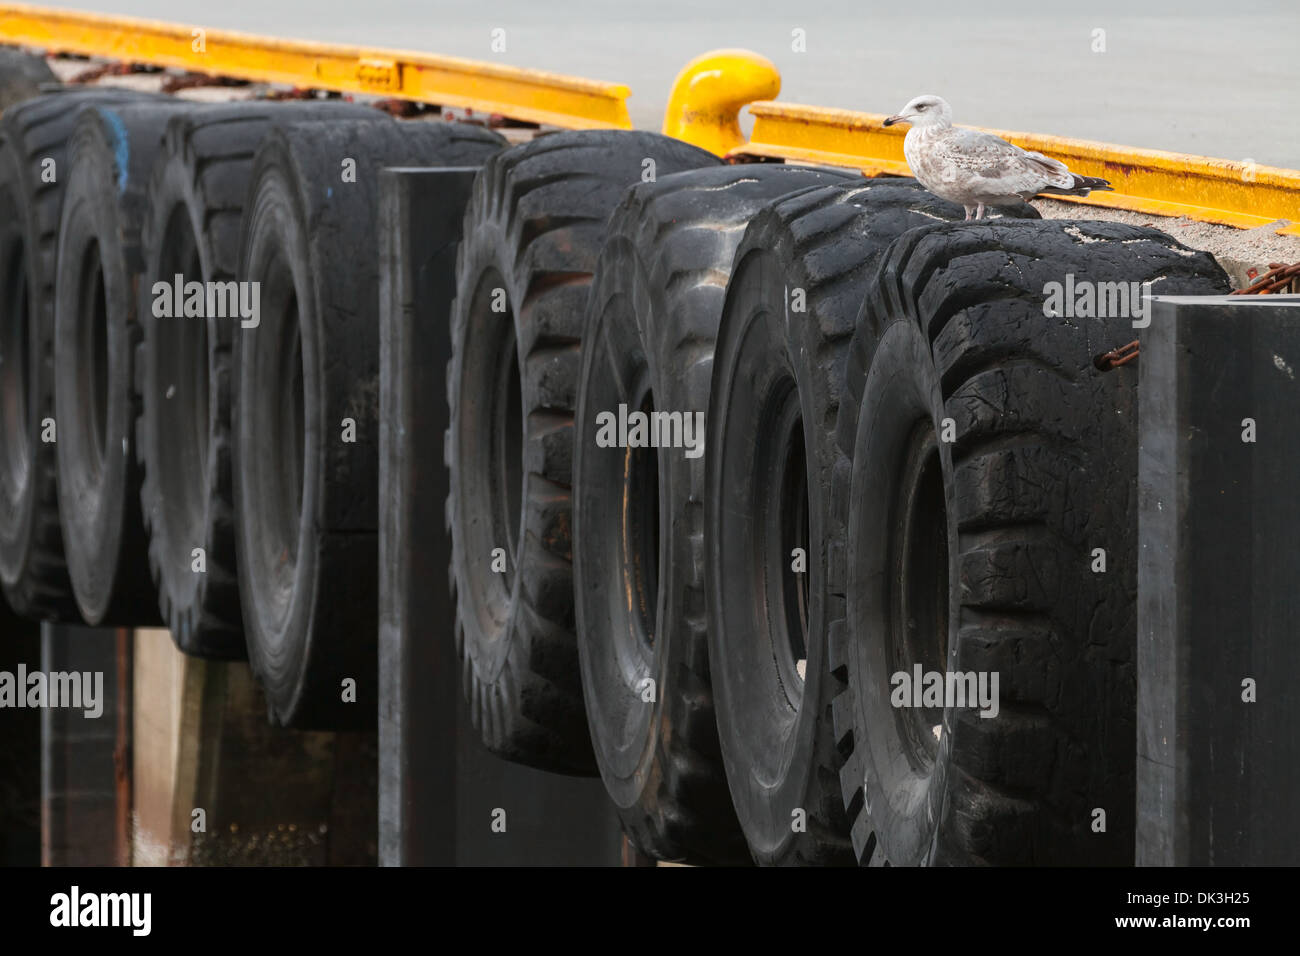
[1197,76]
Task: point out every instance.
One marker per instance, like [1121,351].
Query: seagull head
[925,110]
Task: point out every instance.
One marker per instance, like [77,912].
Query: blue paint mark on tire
[121,147]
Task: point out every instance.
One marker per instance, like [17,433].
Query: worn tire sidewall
[614,660]
[17,511]
[760,348]
[902,387]
[92,507]
[173,195]
[277,642]
[488,644]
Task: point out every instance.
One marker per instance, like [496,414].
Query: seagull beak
[892,120]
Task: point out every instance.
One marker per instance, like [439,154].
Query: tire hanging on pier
[638,518]
[183,364]
[773,534]
[305,436]
[533,231]
[33,177]
[96,329]
[989,470]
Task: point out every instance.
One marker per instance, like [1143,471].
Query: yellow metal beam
[1145,180]
[702,108]
[531,95]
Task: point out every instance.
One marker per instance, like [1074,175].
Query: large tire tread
[681,234]
[548,201]
[216,146]
[39,129]
[830,238]
[1042,472]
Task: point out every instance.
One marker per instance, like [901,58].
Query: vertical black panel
[438,786]
[20,749]
[79,770]
[1219,583]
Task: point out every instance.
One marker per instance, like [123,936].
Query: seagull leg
[968,212]
[979,213]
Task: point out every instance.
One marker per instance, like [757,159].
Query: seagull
[979,169]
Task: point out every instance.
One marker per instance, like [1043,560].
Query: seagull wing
[1016,171]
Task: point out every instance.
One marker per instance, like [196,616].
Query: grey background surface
[1197,76]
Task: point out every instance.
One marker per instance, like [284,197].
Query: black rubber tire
[33,176]
[1041,470]
[96,328]
[533,229]
[183,375]
[22,76]
[306,508]
[768,492]
[652,318]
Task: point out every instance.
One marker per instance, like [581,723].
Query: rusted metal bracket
[1279,278]
[1116,357]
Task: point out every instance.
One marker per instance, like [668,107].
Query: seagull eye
[920,106]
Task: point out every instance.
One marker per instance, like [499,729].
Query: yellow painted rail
[531,95]
[702,109]
[1145,180]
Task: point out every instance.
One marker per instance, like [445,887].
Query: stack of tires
[764,446]
[745,463]
[189,373]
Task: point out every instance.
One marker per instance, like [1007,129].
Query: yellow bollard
[709,92]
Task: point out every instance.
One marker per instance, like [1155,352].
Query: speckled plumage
[978,169]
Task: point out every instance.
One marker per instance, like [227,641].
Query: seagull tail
[1082,186]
